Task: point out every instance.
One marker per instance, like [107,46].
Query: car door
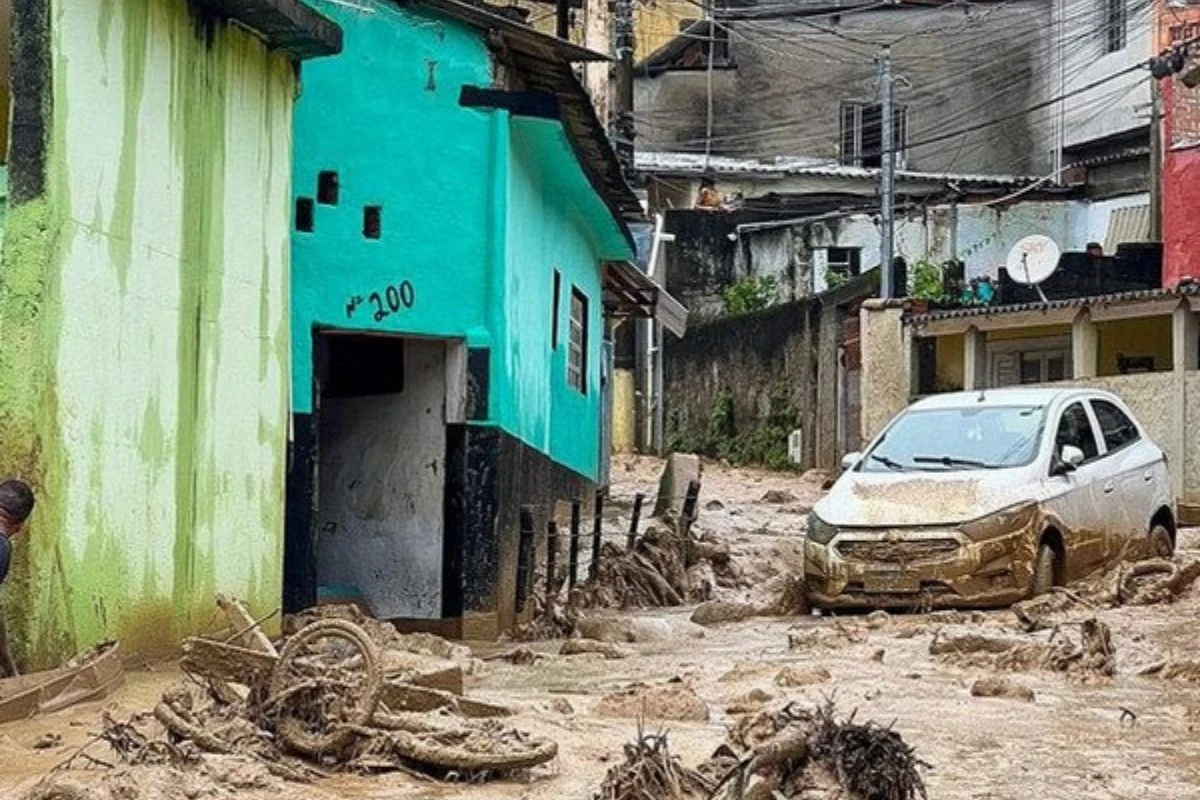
[1076,494]
[1131,487]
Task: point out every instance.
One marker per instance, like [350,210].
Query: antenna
[1032,260]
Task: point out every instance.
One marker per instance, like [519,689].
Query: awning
[629,292]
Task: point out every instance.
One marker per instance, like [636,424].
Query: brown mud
[1132,734]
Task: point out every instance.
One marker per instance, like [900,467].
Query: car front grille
[910,552]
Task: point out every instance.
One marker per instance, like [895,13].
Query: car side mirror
[850,460]
[1069,459]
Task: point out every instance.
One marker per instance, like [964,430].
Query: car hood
[862,499]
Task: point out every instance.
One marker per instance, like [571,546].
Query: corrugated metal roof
[694,164]
[1127,225]
[1183,290]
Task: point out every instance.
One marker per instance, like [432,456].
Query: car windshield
[947,439]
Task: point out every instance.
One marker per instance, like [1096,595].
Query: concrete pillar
[887,365]
[1185,338]
[624,388]
[1085,346]
[974,360]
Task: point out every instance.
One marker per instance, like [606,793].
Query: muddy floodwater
[1129,736]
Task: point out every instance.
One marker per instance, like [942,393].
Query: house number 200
[386,303]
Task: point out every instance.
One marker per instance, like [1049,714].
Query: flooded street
[1130,736]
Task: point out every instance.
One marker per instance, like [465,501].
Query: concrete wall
[1079,36]
[766,363]
[380,519]
[144,377]
[783,98]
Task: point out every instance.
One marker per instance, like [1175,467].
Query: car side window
[1116,427]
[1075,429]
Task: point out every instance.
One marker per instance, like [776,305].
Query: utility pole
[1156,161]
[625,349]
[887,174]
[622,131]
[562,18]
[598,36]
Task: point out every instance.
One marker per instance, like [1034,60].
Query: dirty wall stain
[117,387]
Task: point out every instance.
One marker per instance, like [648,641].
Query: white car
[984,498]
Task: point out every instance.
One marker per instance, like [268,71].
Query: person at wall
[16,504]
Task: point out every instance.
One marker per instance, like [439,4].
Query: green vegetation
[751,294]
[763,443]
[927,281]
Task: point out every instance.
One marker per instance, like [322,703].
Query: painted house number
[383,304]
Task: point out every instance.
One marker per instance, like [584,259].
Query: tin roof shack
[144,372]
[458,243]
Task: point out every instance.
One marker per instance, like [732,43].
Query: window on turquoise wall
[554,311]
[577,352]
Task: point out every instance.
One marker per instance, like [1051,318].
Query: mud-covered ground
[1128,737]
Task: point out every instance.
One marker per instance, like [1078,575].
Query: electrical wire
[661,117]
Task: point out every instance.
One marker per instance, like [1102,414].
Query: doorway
[380,477]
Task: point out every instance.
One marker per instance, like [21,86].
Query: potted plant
[927,285]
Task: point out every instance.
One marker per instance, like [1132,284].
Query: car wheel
[1161,543]
[1043,570]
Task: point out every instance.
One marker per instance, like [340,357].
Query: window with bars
[578,342]
[862,134]
[1116,25]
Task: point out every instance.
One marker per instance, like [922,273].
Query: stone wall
[735,387]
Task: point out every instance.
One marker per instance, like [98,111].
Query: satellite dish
[1032,260]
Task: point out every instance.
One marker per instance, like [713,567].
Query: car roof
[1004,397]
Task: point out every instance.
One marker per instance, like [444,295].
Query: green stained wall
[479,208]
[143,304]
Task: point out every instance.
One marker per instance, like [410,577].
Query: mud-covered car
[977,499]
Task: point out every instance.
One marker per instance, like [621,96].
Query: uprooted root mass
[789,753]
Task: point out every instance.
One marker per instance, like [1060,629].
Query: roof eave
[289,26]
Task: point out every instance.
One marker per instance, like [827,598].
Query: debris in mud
[791,597]
[573,647]
[789,753]
[1091,656]
[716,612]
[779,497]
[840,635]
[1003,688]
[796,677]
[667,703]
[1188,671]
[518,656]
[650,772]
[328,697]
[1139,583]
[628,630]
[748,703]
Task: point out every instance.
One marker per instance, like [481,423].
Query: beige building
[1142,346]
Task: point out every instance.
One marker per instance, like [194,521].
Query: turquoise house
[458,246]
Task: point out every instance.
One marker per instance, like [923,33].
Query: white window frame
[1045,347]
[577,342]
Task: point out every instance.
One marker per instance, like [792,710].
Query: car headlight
[1001,523]
[820,531]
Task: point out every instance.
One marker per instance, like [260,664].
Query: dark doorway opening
[369,473]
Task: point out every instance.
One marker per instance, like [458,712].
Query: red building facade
[1179,21]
